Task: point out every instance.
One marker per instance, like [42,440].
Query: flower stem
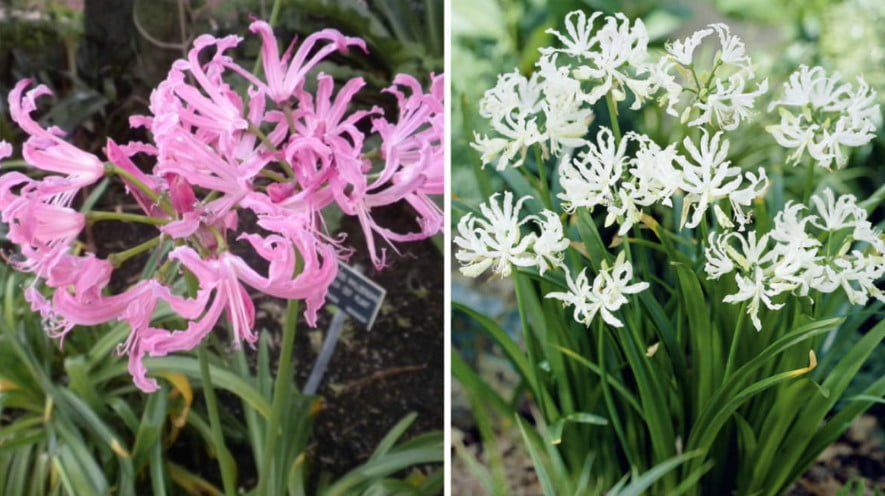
[281,393]
[274,176]
[95,216]
[117,259]
[155,197]
[732,352]
[809,182]
[542,173]
[606,392]
[613,115]
[225,462]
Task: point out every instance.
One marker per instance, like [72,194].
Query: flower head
[821,114]
[605,295]
[723,97]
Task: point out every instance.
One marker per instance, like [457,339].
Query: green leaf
[555,431]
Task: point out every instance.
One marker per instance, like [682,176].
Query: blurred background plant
[72,423]
[491,37]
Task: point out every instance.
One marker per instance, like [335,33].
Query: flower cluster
[604,296]
[515,106]
[722,96]
[281,152]
[827,116]
[496,241]
[605,175]
[834,247]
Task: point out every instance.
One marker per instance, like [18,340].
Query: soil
[376,377]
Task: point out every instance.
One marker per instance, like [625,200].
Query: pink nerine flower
[277,153]
[281,81]
[45,149]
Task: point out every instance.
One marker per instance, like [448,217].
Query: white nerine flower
[613,58]
[606,294]
[565,118]
[547,108]
[495,240]
[551,243]
[829,117]
[683,50]
[732,48]
[578,41]
[592,178]
[656,178]
[803,252]
[709,177]
[729,104]
[720,98]
[512,108]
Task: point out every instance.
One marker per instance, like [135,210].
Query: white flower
[579,40]
[834,248]
[512,107]
[722,96]
[754,290]
[656,178]
[830,116]
[566,117]
[511,149]
[614,58]
[599,176]
[728,104]
[732,48]
[834,214]
[683,50]
[513,95]
[592,178]
[709,178]
[790,226]
[606,295]
[494,240]
[550,245]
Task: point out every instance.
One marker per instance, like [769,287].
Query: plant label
[356,295]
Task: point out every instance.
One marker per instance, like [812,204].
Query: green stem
[274,176]
[606,392]
[809,182]
[528,340]
[155,197]
[732,351]
[281,391]
[542,173]
[219,238]
[289,120]
[94,216]
[225,462]
[613,115]
[117,259]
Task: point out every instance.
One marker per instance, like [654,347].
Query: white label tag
[356,295]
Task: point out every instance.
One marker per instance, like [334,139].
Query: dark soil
[379,376]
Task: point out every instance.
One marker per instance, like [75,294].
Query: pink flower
[45,149]
[412,149]
[281,81]
[326,142]
[213,106]
[5,150]
[44,232]
[121,158]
